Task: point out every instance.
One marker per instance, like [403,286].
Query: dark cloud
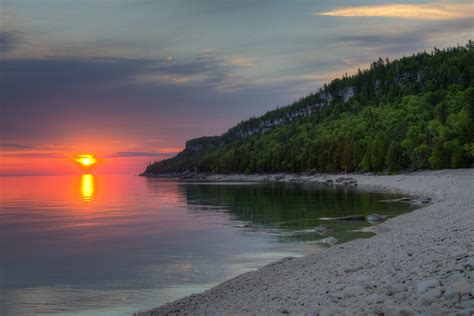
[35,155]
[171,98]
[8,40]
[27,78]
[137,154]
[56,89]
[15,146]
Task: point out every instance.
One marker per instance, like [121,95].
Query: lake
[114,245]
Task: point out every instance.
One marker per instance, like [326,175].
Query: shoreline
[419,262]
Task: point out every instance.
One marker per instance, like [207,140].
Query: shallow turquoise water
[113,245]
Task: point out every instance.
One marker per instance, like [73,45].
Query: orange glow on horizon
[86,160]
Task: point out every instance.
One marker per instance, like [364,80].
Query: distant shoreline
[313,177]
[421,261]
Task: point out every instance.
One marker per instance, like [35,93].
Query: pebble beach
[419,263]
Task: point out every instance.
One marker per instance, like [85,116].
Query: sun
[86,160]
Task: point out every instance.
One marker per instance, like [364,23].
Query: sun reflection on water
[87,187]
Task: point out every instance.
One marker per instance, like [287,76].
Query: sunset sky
[131,80]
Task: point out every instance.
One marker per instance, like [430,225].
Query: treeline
[413,113]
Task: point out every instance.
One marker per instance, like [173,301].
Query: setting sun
[86,160]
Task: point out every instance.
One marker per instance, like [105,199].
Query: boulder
[330,241]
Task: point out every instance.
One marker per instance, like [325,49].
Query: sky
[131,80]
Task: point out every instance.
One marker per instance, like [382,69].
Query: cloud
[155,140]
[76,95]
[51,75]
[8,41]
[32,151]
[42,147]
[123,154]
[242,62]
[405,38]
[166,78]
[170,150]
[427,11]
[58,82]
[204,70]
[34,155]
[15,146]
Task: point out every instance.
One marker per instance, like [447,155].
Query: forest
[416,112]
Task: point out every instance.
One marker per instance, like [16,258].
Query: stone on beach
[459,288]
[352,291]
[330,241]
[424,286]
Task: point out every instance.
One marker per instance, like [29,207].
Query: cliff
[412,113]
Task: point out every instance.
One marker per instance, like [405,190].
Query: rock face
[347,93]
[327,97]
[409,78]
[201,143]
[265,125]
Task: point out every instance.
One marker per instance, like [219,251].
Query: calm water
[112,245]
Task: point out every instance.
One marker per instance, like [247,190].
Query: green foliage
[412,113]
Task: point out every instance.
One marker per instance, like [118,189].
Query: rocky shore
[420,263]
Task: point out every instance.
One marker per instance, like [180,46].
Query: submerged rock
[351,218]
[324,230]
[346,181]
[342,179]
[375,218]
